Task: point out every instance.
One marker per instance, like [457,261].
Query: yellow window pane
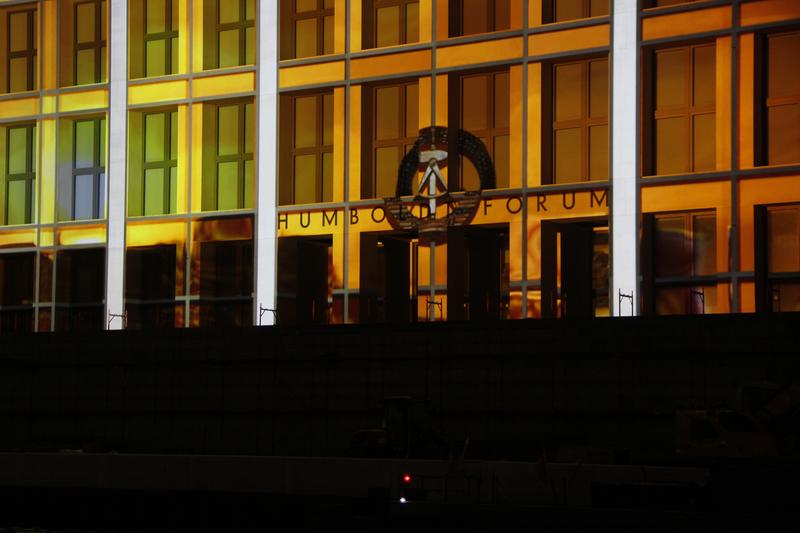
[228,185]
[501,98]
[500,155]
[305,179]
[154,138]
[387,26]
[327,119]
[784,240]
[228,11]
[103,65]
[228,48]
[327,177]
[704,82]
[85,67]
[173,135]
[85,22]
[568,91]
[249,37]
[671,247]
[327,35]
[412,110]
[305,5]
[18,29]
[387,160]
[598,8]
[474,17]
[598,88]
[568,10]
[173,51]
[387,113]
[19,75]
[17,202]
[305,122]
[412,22]
[156,11]
[671,147]
[154,192]
[249,184]
[568,155]
[598,153]
[782,78]
[704,245]
[474,96]
[670,78]
[783,134]
[175,15]
[173,190]
[103,19]
[249,127]
[17,150]
[228,140]
[704,142]
[328,4]
[155,60]
[250,11]
[84,144]
[305,38]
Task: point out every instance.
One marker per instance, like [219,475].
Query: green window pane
[228,185]
[157,16]
[249,127]
[85,67]
[173,135]
[18,150]
[598,153]
[327,120]
[84,197]
[154,138]
[704,145]
[387,113]
[175,15]
[305,121]
[305,38]
[783,134]
[228,143]
[228,48]
[19,74]
[305,179]
[173,190]
[173,50]
[412,23]
[249,185]
[327,35]
[671,152]
[327,177]
[306,5]
[250,10]
[84,18]
[18,29]
[228,11]
[387,160]
[155,58]
[102,140]
[17,202]
[154,191]
[84,144]
[387,26]
[569,92]
[500,156]
[249,51]
[568,155]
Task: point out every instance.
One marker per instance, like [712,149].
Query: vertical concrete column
[266,162]
[625,159]
[116,165]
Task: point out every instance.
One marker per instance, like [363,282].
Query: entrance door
[477,273]
[303,280]
[574,269]
[385,293]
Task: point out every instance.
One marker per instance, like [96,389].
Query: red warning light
[406,478]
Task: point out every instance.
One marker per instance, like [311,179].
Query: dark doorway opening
[575,268]
[477,273]
[388,280]
[303,286]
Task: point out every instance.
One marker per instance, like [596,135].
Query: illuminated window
[468,17]
[391,116]
[235,29]
[782,102]
[390,22]
[777,232]
[306,28]
[683,94]
[160,163]
[89,41]
[88,169]
[479,104]
[230,129]
[680,263]
[20,71]
[80,289]
[160,37]
[564,10]
[17,278]
[306,159]
[579,133]
[20,164]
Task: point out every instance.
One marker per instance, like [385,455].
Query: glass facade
[215,179]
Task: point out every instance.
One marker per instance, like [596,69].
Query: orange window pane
[327,177]
[704,142]
[474,96]
[412,110]
[671,154]
[568,155]
[305,38]
[85,22]
[598,88]
[474,19]
[305,179]
[568,10]
[501,100]
[568,91]
[469,176]
[704,79]
[305,5]
[502,15]
[671,78]
[387,160]
[671,247]
[327,119]
[783,134]
[387,116]
[598,8]
[18,31]
[784,240]
[305,122]
[671,301]
[387,26]
[782,77]
[598,152]
[500,155]
[704,245]
[412,22]
[327,36]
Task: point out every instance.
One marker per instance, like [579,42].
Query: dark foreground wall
[513,387]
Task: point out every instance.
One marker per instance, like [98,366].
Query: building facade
[182,163]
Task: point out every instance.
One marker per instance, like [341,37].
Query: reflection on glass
[307,133]
[234,137]
[307,28]
[235,24]
[393,112]
[89,27]
[88,168]
[20,174]
[160,37]
[21,53]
